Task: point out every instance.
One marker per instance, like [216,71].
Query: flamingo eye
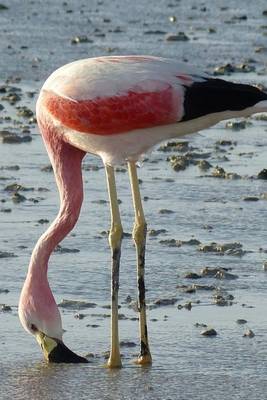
[33,327]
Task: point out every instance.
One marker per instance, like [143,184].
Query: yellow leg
[115,238]
[139,236]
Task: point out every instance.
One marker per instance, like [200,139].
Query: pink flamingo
[117,108]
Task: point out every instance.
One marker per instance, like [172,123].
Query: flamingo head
[39,316]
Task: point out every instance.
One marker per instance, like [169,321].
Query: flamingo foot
[144,360]
[114,362]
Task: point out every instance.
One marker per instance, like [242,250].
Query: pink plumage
[117,108]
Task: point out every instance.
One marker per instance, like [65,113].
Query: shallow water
[186,364]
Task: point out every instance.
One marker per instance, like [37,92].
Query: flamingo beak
[56,351]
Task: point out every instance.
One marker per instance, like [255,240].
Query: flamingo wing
[109,95]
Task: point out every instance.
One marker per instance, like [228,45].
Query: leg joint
[139,231]
[115,236]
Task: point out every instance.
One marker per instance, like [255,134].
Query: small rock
[5,308]
[64,250]
[6,254]
[175,146]
[172,18]
[24,111]
[179,37]
[18,198]
[3,7]
[262,174]
[76,304]
[47,168]
[165,211]
[155,32]
[5,291]
[218,172]
[165,302]
[237,125]
[251,198]
[204,165]
[156,232]
[188,306]
[81,39]
[192,275]
[79,316]
[241,321]
[8,137]
[126,343]
[200,325]
[224,69]
[171,243]
[209,332]
[249,333]
[203,287]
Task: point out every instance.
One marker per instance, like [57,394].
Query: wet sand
[189,204]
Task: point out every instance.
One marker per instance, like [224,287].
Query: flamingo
[118,108]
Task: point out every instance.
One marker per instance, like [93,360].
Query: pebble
[208,332]
[234,248]
[171,242]
[175,146]
[228,69]
[218,273]
[203,287]
[200,325]
[125,343]
[18,198]
[262,174]
[219,172]
[179,37]
[81,39]
[165,302]
[5,291]
[79,316]
[165,211]
[186,306]
[192,275]
[6,254]
[204,165]
[155,32]
[25,112]
[264,266]
[12,98]
[8,137]
[251,198]
[63,250]
[237,125]
[241,321]
[47,168]
[5,308]
[249,333]
[76,304]
[156,232]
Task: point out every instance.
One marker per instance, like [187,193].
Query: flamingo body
[120,107]
[117,108]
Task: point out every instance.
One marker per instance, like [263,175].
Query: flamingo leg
[139,237]
[115,238]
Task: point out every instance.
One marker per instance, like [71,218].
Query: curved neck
[66,162]
[57,231]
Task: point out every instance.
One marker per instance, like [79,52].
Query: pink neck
[66,161]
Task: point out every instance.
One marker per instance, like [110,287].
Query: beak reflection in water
[56,351]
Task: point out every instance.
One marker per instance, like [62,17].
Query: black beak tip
[62,354]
